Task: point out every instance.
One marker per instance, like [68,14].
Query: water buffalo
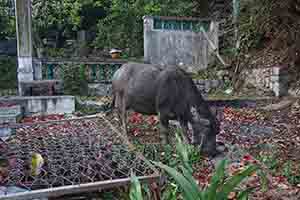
[169,92]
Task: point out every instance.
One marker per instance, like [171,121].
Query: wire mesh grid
[74,151]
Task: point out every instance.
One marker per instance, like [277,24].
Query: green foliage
[8,71]
[253,14]
[190,188]
[270,161]
[60,20]
[183,152]
[7,20]
[75,81]
[171,192]
[123,27]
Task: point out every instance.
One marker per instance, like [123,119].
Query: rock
[5,133]
[279,106]
[256,130]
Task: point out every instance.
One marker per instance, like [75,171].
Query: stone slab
[43,104]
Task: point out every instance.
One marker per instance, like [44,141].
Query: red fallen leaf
[136,132]
[280,179]
[152,120]
[99,156]
[248,157]
[201,178]
[42,118]
[136,118]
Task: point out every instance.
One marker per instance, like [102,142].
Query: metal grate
[75,152]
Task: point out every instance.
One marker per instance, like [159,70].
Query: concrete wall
[172,47]
[44,104]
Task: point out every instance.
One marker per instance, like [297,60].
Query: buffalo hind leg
[124,114]
[120,102]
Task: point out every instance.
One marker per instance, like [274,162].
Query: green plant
[270,161]
[219,188]
[184,182]
[290,174]
[136,189]
[75,81]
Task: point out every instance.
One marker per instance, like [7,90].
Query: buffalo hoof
[164,141]
[212,153]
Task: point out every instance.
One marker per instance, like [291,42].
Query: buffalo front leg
[164,130]
[185,128]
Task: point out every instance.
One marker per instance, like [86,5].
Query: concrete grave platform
[43,104]
[9,113]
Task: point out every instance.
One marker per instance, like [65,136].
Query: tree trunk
[202,8]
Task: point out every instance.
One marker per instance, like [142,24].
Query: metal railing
[95,70]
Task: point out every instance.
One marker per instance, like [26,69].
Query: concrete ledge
[44,104]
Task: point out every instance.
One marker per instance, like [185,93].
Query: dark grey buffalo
[170,93]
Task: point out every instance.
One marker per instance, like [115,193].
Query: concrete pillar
[24,41]
[148,28]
